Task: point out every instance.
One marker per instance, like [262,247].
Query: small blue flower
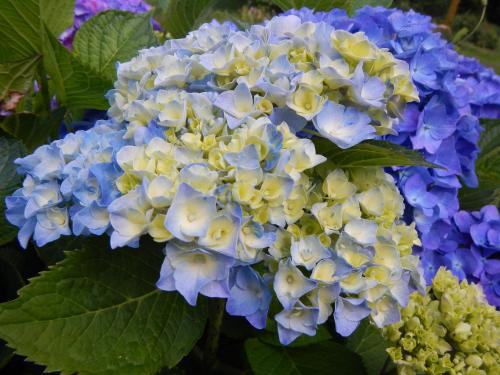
[296,321]
[130,216]
[44,164]
[344,126]
[367,90]
[290,284]
[435,125]
[43,196]
[460,262]
[247,158]
[50,225]
[222,234]
[106,174]
[192,270]
[348,314]
[431,261]
[415,191]
[92,219]
[385,311]
[249,296]
[308,251]
[190,214]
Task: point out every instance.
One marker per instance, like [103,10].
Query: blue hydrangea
[71,178]
[454,92]
[469,247]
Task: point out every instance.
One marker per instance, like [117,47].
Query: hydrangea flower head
[451,329]
[469,250]
[203,152]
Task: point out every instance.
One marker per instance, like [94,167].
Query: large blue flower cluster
[454,91]
[204,154]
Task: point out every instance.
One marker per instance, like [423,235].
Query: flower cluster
[349,88]
[210,161]
[484,85]
[454,91]
[470,249]
[69,178]
[85,9]
[451,330]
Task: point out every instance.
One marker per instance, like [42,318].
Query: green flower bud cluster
[451,330]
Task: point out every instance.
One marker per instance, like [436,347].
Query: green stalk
[44,88]
[215,317]
[481,19]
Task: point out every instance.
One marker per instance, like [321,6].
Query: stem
[44,88]
[384,368]
[481,19]
[220,367]
[452,12]
[313,132]
[215,317]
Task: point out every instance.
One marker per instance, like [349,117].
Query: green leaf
[53,252]
[18,75]
[16,267]
[9,181]
[323,358]
[75,85]
[312,4]
[473,199]
[369,344]
[181,16]
[6,354]
[352,5]
[487,170]
[99,312]
[21,22]
[370,154]
[19,26]
[57,14]
[34,130]
[488,161]
[490,137]
[112,37]
[10,277]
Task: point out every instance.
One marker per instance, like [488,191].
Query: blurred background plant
[457,18]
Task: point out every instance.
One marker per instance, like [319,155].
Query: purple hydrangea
[484,85]
[455,91]
[85,9]
[469,246]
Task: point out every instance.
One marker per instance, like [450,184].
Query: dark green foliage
[99,312]
[9,181]
[111,37]
[370,154]
[487,170]
[323,358]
